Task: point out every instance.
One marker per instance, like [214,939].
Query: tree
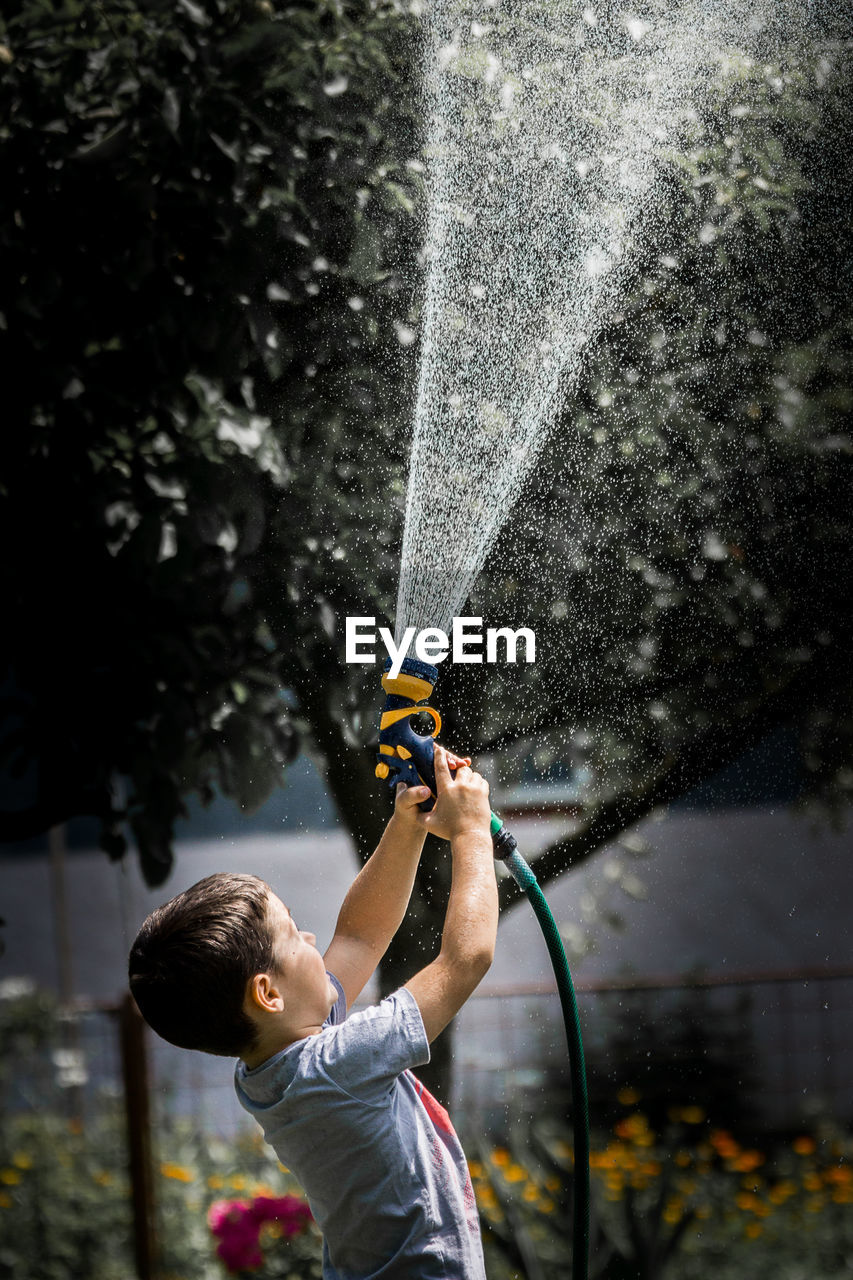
[194,249]
[210,256]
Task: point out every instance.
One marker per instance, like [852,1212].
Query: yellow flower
[500,1156]
[531,1192]
[515,1173]
[238,1182]
[634,1128]
[486,1196]
[804,1146]
[692,1115]
[628,1097]
[103,1179]
[747,1161]
[216,1182]
[753,1229]
[10,1177]
[724,1144]
[475,1168]
[176,1171]
[5,1200]
[22,1160]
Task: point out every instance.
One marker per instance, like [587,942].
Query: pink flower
[237,1224]
[292,1214]
[240,1251]
[234,1222]
[221,1212]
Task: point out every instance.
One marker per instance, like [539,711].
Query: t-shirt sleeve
[338,1011]
[364,1055]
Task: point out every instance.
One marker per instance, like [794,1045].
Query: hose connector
[503,841]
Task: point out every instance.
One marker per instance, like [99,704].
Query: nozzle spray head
[407,756]
[404,755]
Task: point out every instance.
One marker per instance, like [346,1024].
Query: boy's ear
[264,995]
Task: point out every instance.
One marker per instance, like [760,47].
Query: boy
[224,968]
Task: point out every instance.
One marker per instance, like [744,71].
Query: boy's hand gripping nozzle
[407,756]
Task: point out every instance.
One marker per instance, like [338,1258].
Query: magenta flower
[237,1226]
[291,1213]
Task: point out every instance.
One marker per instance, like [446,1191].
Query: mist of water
[548,128]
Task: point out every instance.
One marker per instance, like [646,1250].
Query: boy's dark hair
[192,960]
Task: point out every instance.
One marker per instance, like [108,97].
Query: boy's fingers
[411,796]
[442,773]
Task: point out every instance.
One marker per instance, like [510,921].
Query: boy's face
[299,963]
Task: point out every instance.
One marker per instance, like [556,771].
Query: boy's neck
[275,1040]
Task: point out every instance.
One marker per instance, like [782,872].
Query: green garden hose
[526,880]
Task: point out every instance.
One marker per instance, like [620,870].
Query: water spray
[408,756]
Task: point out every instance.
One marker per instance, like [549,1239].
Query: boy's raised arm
[470,925]
[376,902]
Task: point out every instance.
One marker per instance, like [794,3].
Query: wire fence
[775,1048]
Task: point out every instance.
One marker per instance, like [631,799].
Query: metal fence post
[134,1062]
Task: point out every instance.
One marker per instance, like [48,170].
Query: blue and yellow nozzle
[407,756]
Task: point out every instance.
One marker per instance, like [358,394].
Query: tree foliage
[209,258]
[207,213]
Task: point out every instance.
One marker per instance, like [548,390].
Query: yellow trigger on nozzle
[391,717]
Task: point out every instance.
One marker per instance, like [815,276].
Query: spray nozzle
[407,756]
